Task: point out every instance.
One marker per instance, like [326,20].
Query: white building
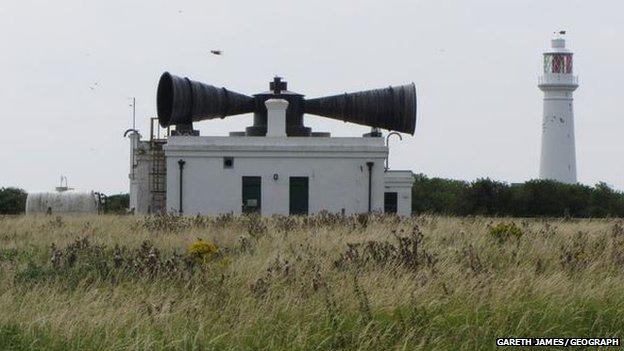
[274,173]
[147,171]
[558,157]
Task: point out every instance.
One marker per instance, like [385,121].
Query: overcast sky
[475,65]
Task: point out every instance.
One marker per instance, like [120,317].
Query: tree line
[534,198]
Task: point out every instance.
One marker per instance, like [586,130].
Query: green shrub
[12,201]
[503,231]
[117,204]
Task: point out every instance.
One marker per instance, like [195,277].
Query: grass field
[324,282]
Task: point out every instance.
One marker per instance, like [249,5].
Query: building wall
[139,179]
[401,182]
[142,198]
[336,168]
[134,138]
[558,156]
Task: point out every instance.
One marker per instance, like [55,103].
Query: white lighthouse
[558,82]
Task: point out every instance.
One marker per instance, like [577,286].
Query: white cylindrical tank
[62,203]
[558,156]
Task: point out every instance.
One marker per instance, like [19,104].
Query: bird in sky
[216,52]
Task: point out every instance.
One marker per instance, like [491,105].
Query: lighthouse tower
[558,158]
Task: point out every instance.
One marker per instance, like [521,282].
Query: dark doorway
[390,202]
[298,195]
[252,194]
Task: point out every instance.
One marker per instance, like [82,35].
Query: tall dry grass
[324,282]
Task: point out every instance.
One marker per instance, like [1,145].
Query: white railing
[556,78]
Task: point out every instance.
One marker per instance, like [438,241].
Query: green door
[298,195]
[390,202]
[252,194]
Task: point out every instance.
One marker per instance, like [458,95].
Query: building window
[558,63]
[228,162]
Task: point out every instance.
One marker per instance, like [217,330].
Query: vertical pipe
[181,163]
[388,146]
[370,185]
[133,113]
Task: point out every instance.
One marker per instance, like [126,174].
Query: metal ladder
[158,171]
